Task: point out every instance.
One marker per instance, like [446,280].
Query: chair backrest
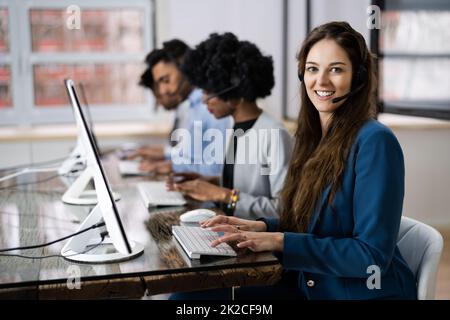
[421,246]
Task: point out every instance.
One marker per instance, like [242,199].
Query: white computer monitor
[75,161]
[78,192]
[105,210]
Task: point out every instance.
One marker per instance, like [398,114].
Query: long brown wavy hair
[318,162]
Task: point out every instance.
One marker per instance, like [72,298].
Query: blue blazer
[337,255]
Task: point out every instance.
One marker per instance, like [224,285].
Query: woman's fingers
[178,177]
[230,237]
[163,167]
[180,186]
[219,219]
[184,187]
[169,185]
[133,155]
[225,228]
[146,166]
[247,244]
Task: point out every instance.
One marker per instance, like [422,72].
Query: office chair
[421,246]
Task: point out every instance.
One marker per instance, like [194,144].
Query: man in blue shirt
[174,92]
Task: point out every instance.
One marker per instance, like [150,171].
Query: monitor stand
[77,248]
[75,161]
[77,193]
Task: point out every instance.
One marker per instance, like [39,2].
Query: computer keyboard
[154,194]
[196,242]
[130,168]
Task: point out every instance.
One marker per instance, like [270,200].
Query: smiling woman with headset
[343,196]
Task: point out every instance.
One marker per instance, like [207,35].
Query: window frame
[9,114]
[22,60]
[420,108]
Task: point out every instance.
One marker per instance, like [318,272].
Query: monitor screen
[89,119]
[105,198]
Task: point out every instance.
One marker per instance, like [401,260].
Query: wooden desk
[35,214]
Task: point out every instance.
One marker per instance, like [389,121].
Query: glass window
[415,79]
[100,30]
[5,87]
[103,49]
[417,32]
[5,70]
[4,44]
[104,84]
[414,59]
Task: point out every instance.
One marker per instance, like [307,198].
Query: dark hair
[222,61]
[319,161]
[172,51]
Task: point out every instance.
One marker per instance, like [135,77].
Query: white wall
[427,181]
[352,11]
[296,34]
[259,21]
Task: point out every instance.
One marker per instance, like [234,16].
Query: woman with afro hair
[233,75]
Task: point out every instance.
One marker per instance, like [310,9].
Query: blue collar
[195,97]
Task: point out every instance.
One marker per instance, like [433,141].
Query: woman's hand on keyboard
[255,241]
[180,178]
[248,233]
[221,223]
[154,152]
[155,166]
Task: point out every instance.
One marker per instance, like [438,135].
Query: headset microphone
[235,82]
[337,99]
[347,95]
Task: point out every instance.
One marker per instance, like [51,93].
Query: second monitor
[77,247]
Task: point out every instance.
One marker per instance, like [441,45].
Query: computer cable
[103,235]
[34,167]
[31,182]
[28,170]
[33,164]
[94,226]
[38,181]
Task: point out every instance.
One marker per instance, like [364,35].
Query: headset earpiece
[360,77]
[300,76]
[235,81]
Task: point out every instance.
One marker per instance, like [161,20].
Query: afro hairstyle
[222,62]
[172,51]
